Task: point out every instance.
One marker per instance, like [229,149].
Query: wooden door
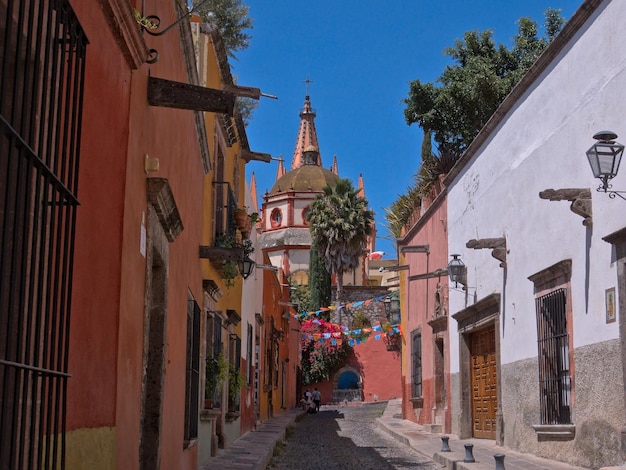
[484,384]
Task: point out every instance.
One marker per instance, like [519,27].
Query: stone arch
[347,385]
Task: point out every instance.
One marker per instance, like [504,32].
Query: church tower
[285,233]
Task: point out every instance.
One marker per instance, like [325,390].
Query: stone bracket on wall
[497,245]
[579,197]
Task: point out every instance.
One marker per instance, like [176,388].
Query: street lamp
[457,270]
[392,309]
[246,266]
[604,157]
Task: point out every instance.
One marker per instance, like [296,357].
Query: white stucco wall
[298,208]
[541,144]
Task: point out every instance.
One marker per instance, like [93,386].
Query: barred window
[249,349]
[192,379]
[554,359]
[42,53]
[416,357]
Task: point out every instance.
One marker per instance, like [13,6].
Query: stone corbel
[498,245]
[579,197]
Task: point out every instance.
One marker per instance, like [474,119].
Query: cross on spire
[307,81]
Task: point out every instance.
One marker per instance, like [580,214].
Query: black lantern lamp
[457,270]
[392,309]
[604,157]
[246,266]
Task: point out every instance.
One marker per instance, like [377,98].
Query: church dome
[305,178]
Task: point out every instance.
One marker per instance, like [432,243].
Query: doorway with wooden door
[479,372]
[484,390]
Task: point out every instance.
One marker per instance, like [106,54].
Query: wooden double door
[484,383]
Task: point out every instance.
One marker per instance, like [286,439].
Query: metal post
[444,444]
[469,456]
[499,461]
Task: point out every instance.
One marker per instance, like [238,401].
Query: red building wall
[418,309]
[109,292]
[378,371]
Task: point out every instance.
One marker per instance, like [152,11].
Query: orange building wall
[97,259]
[107,336]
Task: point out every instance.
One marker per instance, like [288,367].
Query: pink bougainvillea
[324,349]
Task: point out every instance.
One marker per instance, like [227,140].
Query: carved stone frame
[484,313]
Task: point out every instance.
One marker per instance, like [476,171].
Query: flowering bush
[324,349]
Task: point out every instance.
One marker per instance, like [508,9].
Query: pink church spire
[253,196]
[307,135]
[361,186]
[281,168]
[334,167]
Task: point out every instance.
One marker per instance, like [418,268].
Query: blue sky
[360,56]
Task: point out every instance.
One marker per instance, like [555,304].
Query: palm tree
[340,223]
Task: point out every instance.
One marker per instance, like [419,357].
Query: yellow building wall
[90,449]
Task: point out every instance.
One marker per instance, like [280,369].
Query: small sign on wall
[142,235]
[610,305]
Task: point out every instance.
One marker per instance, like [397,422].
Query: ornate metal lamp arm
[155,21]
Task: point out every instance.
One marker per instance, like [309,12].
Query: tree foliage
[453,109]
[320,358]
[340,223]
[300,296]
[467,93]
[319,281]
[231,17]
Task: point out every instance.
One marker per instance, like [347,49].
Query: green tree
[319,281]
[340,223]
[300,296]
[467,93]
[231,17]
[452,110]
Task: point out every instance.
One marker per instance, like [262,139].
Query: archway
[348,380]
[347,385]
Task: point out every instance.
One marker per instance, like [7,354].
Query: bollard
[499,461]
[469,457]
[444,444]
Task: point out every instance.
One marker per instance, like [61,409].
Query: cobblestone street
[345,437]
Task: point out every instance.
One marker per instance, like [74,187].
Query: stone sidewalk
[484,450]
[253,450]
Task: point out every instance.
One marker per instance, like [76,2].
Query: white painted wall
[541,144]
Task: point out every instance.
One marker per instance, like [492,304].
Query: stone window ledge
[232,416]
[555,432]
[418,402]
[206,415]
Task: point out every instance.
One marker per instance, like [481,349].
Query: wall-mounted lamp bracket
[151,23]
[436,273]
[403,267]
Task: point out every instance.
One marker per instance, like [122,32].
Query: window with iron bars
[192,379]
[416,359]
[554,358]
[42,68]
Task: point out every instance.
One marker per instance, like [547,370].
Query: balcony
[228,248]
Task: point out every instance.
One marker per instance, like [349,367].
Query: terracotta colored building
[103,352]
[424,304]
